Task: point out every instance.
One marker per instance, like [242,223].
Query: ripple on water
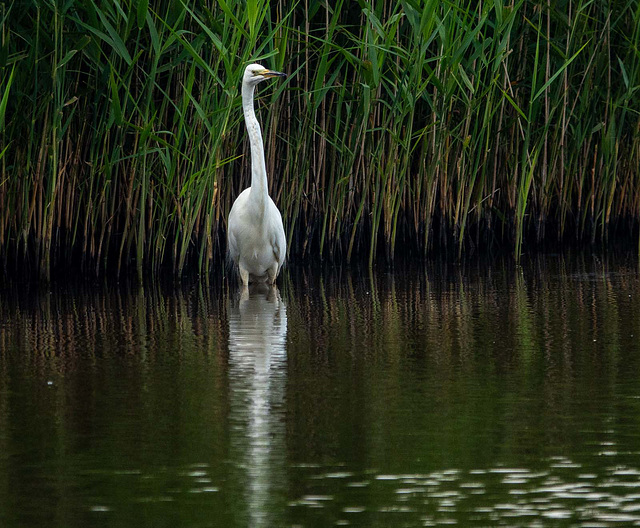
[561,492]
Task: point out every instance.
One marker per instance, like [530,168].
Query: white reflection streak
[257,375]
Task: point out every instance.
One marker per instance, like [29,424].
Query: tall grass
[404,127]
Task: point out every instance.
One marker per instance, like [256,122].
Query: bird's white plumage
[256,244]
[255,235]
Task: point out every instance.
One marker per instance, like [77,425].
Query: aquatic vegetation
[404,127]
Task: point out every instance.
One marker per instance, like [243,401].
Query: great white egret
[255,236]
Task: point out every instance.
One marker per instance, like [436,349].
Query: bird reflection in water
[257,378]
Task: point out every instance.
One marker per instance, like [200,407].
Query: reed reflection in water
[481,395]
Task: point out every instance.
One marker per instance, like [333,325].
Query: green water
[476,395]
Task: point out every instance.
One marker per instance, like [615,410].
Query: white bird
[255,236]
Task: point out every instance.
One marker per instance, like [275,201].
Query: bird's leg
[244,276]
[244,294]
[274,295]
[272,273]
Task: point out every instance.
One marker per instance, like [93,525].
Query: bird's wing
[279,248]
[232,246]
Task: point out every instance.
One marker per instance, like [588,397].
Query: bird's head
[255,73]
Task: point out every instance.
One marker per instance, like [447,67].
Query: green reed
[404,127]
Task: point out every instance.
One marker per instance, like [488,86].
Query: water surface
[476,395]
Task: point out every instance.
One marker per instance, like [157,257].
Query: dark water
[471,396]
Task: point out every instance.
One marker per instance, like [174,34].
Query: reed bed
[404,128]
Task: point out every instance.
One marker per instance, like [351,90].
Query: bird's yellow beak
[272,73]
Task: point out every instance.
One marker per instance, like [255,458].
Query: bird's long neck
[259,190]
